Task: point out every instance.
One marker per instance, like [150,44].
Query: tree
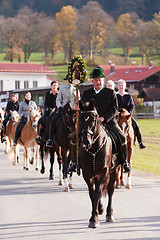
[143,37]
[66,27]
[31,29]
[125,33]
[94,25]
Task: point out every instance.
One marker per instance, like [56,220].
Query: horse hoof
[66,189]
[24,168]
[128,186]
[36,169]
[60,183]
[122,183]
[27,169]
[14,163]
[18,160]
[110,219]
[51,177]
[31,162]
[93,224]
[42,171]
[118,186]
[70,186]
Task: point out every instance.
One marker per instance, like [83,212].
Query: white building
[22,77]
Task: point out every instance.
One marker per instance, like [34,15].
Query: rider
[12,105]
[107,107]
[125,100]
[110,84]
[66,94]
[24,110]
[50,104]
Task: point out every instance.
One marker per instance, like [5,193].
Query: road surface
[34,208]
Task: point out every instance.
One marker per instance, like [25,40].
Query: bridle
[93,154]
[69,128]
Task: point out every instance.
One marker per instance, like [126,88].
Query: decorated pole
[77,74]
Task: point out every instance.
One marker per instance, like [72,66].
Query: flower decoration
[82,69]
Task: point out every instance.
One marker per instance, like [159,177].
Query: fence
[146,115]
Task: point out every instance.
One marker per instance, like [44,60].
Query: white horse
[27,140]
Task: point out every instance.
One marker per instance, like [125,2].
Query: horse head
[68,114]
[87,122]
[34,117]
[14,116]
[124,119]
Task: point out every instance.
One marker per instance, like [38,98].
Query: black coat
[105,103]
[126,101]
[12,106]
[50,100]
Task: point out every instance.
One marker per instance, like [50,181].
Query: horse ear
[10,111]
[30,109]
[92,103]
[38,109]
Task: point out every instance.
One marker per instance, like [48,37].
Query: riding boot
[73,165]
[38,139]
[138,134]
[52,131]
[123,159]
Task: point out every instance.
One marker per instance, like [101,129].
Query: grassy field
[148,159]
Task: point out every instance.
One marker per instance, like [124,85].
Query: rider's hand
[101,119]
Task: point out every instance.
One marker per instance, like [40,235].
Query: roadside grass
[148,159]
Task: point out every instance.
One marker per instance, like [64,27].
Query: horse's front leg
[52,151]
[129,158]
[37,158]
[110,188]
[26,159]
[42,158]
[59,159]
[65,167]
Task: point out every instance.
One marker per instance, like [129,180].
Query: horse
[125,123]
[51,151]
[94,158]
[13,119]
[65,128]
[27,140]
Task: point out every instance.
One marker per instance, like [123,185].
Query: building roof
[129,73]
[150,93]
[25,68]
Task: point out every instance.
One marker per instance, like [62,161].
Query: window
[35,84]
[1,85]
[17,84]
[26,84]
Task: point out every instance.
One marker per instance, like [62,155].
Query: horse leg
[117,177]
[130,153]
[33,156]
[26,159]
[121,178]
[96,197]
[37,158]
[65,167]
[42,158]
[70,175]
[110,188]
[15,155]
[59,159]
[51,175]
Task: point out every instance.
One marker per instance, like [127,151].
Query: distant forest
[144,8]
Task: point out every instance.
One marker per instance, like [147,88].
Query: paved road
[34,208]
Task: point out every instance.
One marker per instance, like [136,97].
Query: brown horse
[13,119]
[95,153]
[125,123]
[27,140]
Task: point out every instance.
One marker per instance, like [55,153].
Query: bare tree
[31,29]
[94,26]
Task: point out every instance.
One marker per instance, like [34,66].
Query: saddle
[116,142]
